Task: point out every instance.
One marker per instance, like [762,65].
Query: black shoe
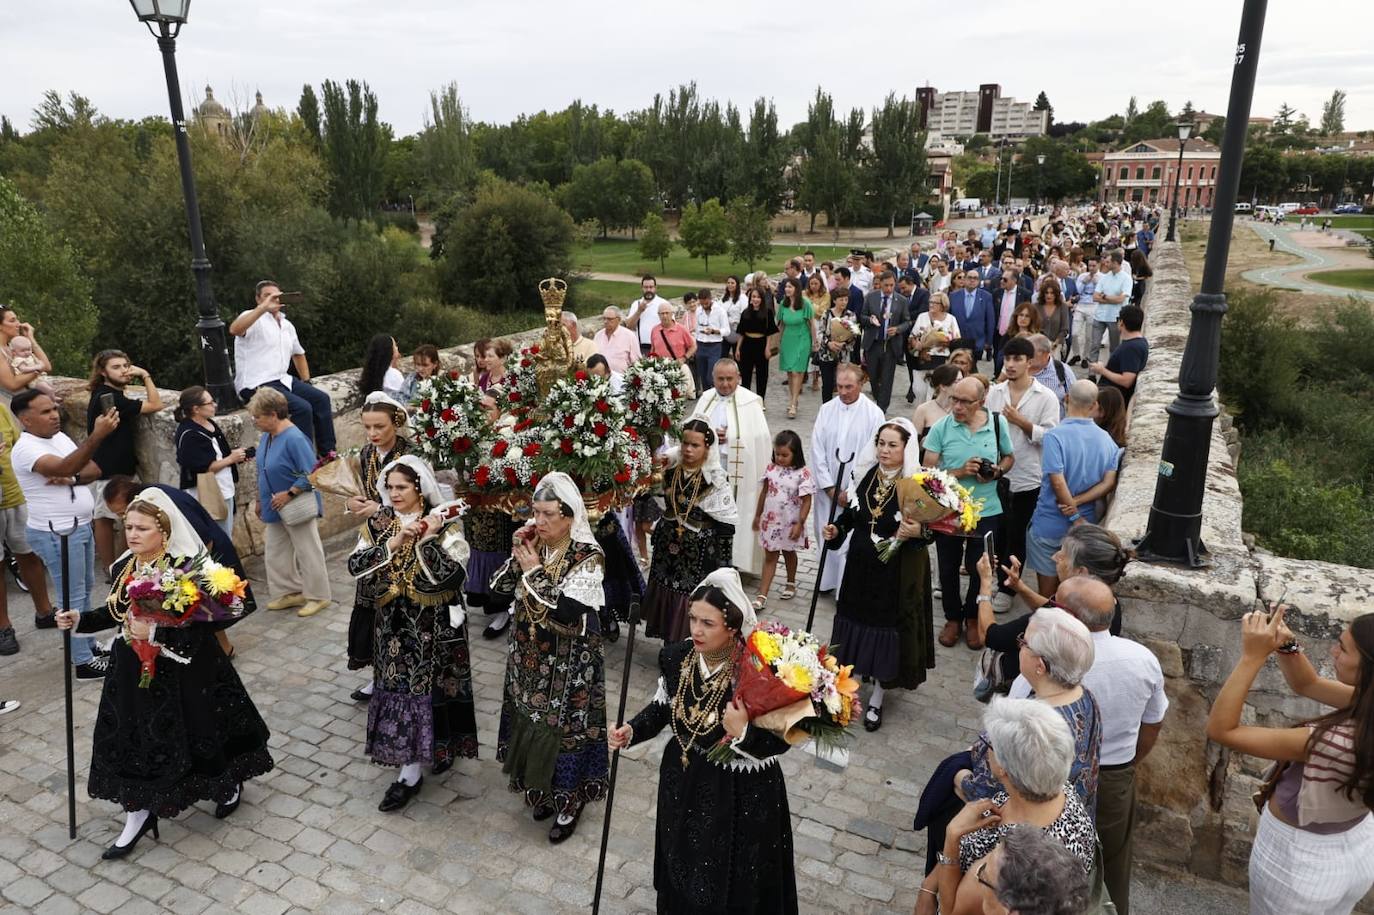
[98,652]
[1074,360]
[910,396]
[9,642]
[872,724]
[45,622]
[559,832]
[610,626]
[398,795]
[497,627]
[223,810]
[441,767]
[119,851]
[359,696]
[543,812]
[94,669]
[13,564]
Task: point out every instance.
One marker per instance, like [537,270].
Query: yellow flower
[795,676]
[767,646]
[189,590]
[223,580]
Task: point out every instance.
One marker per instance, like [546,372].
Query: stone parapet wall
[1196,811]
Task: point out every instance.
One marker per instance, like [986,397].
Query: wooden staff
[615,756]
[67,676]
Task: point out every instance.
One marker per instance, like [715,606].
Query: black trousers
[753,362]
[951,552]
[1011,537]
[882,366]
[828,370]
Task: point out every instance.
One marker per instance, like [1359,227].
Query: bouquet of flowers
[790,684]
[586,434]
[450,424]
[520,388]
[510,460]
[173,594]
[337,474]
[935,498]
[844,329]
[655,397]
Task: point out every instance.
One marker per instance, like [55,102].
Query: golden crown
[553,291]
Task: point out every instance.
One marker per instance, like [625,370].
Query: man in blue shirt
[972,308]
[1079,462]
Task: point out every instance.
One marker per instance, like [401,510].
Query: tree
[1152,123]
[750,235]
[828,173]
[1262,172]
[655,244]
[1333,114]
[1283,120]
[501,244]
[40,273]
[615,194]
[308,109]
[1042,103]
[1188,112]
[1131,110]
[897,171]
[765,157]
[1215,131]
[444,149]
[705,230]
[355,147]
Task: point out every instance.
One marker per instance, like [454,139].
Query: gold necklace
[883,488]
[703,714]
[678,491]
[555,564]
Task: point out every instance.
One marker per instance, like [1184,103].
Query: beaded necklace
[555,562]
[699,716]
[882,490]
[686,485]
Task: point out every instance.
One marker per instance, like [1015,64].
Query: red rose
[448,415]
[534,349]
[511,478]
[632,432]
[637,381]
[462,443]
[425,404]
[431,431]
[534,480]
[634,455]
[634,406]
[523,424]
[483,476]
[603,407]
[568,422]
[566,445]
[665,424]
[499,449]
[601,430]
[524,363]
[453,374]
[581,375]
[514,396]
[531,449]
[675,394]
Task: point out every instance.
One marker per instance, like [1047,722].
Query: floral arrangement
[790,683]
[654,397]
[520,388]
[173,594]
[586,434]
[451,427]
[511,459]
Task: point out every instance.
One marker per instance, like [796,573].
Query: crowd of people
[995,329]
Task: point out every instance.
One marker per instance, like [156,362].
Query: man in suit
[972,308]
[988,272]
[1011,294]
[886,321]
[920,261]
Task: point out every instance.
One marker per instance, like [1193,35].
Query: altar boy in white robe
[843,424]
[745,446]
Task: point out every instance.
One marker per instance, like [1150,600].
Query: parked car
[1243,208]
[1306,211]
[1349,208]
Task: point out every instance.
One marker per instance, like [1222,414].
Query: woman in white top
[934,353]
[939,275]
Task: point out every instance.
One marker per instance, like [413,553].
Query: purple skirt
[874,652]
[665,613]
[400,728]
[482,565]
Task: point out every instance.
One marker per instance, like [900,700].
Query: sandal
[760,602]
[789,591]
[792,412]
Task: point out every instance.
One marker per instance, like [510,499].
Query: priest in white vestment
[746,447]
[843,425]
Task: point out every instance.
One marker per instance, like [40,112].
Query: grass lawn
[592,296]
[619,255]
[1348,222]
[1346,279]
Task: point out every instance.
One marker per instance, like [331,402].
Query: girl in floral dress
[780,517]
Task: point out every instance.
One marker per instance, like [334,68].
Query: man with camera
[973,446]
[265,349]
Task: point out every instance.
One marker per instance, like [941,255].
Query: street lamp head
[1185,129]
[168,15]
[1040,160]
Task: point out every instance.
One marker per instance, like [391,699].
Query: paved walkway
[1297,276]
[309,838]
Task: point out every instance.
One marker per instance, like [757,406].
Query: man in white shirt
[618,344]
[1113,291]
[1030,410]
[643,317]
[1128,684]
[52,470]
[843,424]
[712,327]
[265,348]
[582,347]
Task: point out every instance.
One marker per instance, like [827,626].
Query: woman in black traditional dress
[883,614]
[622,581]
[192,734]
[696,533]
[723,840]
[382,419]
[552,741]
[422,709]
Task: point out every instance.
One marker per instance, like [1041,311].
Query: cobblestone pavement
[308,836]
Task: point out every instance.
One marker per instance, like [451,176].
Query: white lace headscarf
[868,455]
[429,486]
[727,579]
[719,503]
[567,492]
[182,542]
[382,397]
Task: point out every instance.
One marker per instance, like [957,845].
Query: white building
[986,111]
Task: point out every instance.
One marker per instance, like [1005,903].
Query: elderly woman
[1031,752]
[1031,873]
[723,841]
[1055,654]
[421,709]
[552,741]
[296,575]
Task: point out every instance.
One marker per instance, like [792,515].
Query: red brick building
[1144,173]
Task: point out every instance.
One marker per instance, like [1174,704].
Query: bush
[400,219]
[1296,513]
[1261,358]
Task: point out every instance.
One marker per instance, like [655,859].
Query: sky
[512,58]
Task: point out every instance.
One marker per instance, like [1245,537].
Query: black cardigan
[196,451]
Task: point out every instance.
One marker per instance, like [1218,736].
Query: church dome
[211,108]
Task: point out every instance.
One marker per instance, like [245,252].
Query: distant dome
[259,109]
[211,108]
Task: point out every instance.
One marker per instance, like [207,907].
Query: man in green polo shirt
[973,445]
[14,517]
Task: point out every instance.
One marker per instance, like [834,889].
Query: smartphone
[990,547]
[250,451]
[291,298]
[106,402]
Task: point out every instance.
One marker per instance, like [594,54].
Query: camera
[986,469]
[249,452]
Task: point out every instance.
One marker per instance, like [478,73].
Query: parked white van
[968,205]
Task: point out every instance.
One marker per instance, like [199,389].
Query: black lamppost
[1174,531]
[1184,129]
[1039,175]
[164,19]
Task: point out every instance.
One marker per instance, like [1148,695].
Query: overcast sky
[510,57]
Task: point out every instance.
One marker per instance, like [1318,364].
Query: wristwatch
[983,599]
[946,860]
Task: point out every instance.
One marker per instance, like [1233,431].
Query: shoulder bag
[301,507]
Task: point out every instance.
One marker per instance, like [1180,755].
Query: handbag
[209,496]
[1003,484]
[301,507]
[992,680]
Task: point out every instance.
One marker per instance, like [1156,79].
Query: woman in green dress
[795,316]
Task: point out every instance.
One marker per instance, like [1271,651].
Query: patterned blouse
[1074,829]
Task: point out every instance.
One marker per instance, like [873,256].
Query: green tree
[1333,114]
[1215,131]
[897,170]
[500,245]
[355,148]
[705,230]
[765,157]
[308,110]
[655,243]
[615,194]
[444,147]
[1042,103]
[40,276]
[828,175]
[1283,120]
[1262,172]
[1151,124]
[1131,110]
[750,234]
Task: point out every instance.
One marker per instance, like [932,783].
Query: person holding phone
[202,448]
[266,347]
[111,371]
